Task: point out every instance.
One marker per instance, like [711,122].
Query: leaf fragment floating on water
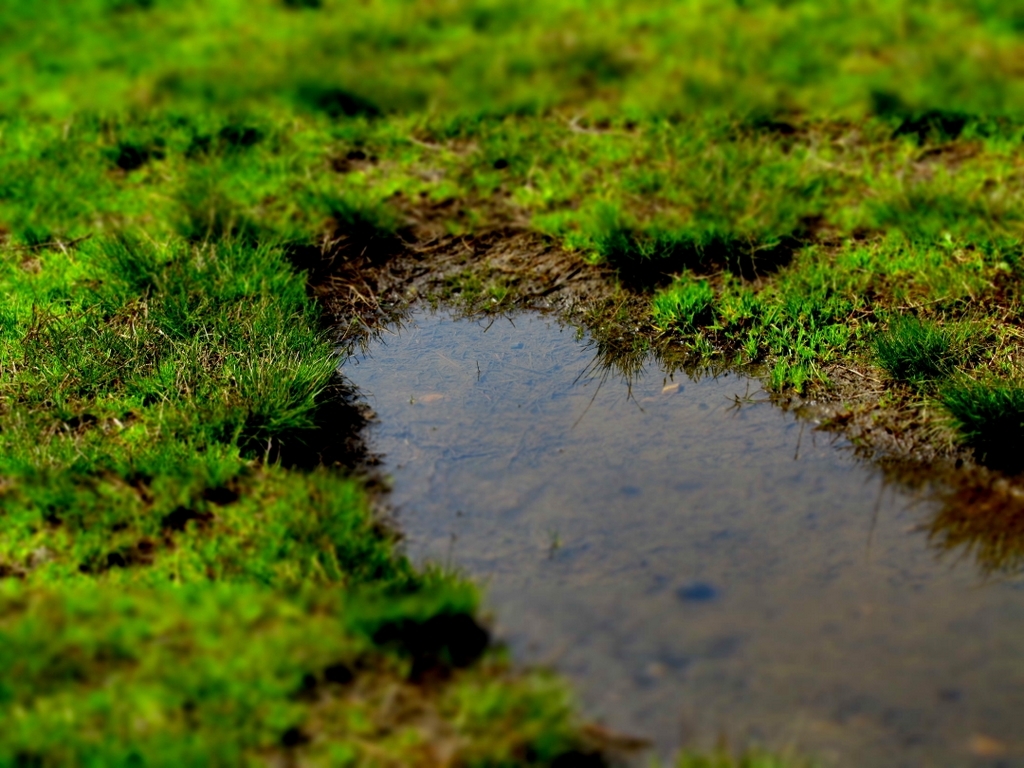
[986,746]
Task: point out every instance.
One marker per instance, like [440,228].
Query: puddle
[700,568]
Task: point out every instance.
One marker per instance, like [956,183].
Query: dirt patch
[494,270]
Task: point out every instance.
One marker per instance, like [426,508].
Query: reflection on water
[699,563]
[983,519]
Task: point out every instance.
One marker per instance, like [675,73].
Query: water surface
[698,562]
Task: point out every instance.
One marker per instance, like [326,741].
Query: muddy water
[698,567]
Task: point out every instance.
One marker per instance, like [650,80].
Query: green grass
[920,63]
[153,396]
[783,181]
[811,228]
[991,418]
[220,674]
[687,304]
[811,225]
[917,351]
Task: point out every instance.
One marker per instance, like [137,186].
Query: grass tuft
[647,255]
[686,305]
[991,419]
[918,351]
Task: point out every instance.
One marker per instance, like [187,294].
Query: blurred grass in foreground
[471,58]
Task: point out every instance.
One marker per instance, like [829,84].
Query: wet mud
[701,563]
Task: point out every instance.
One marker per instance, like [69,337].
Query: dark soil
[364,289]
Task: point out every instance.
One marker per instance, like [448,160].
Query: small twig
[575,127]
[922,304]
[426,145]
[858,373]
[430,247]
[49,244]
